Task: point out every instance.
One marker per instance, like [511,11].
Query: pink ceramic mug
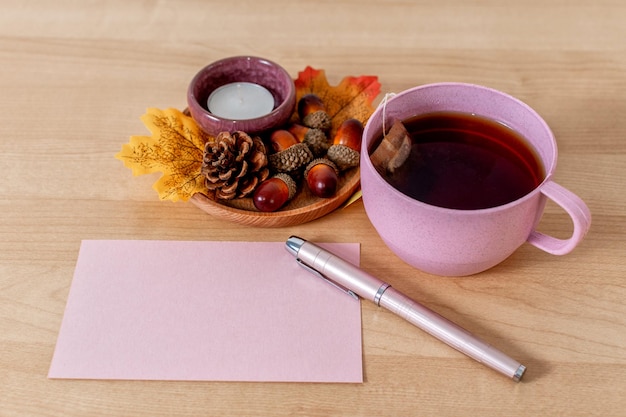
[453,242]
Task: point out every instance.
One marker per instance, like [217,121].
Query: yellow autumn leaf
[175,148]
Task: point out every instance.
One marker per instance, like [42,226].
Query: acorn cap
[291,183]
[317,120]
[318,161]
[317,141]
[291,159]
[344,156]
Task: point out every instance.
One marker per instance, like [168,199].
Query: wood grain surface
[76,76]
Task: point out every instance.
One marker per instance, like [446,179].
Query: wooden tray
[303,208]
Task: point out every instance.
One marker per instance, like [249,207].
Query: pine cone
[234,164]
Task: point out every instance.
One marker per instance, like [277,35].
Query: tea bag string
[384,104]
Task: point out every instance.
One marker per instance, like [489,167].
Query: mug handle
[577,210]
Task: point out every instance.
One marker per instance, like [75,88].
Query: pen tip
[519,373]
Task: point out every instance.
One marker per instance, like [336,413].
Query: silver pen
[356,282]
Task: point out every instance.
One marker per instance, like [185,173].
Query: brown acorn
[315,139]
[282,139]
[289,154]
[274,192]
[347,144]
[312,112]
[322,177]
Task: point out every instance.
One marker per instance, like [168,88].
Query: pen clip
[320,275]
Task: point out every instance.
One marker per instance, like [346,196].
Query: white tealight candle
[240,101]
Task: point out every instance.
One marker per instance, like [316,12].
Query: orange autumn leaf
[175,148]
[352,98]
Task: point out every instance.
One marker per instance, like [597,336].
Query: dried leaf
[175,149]
[352,98]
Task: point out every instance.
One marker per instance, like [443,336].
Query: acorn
[347,144]
[315,139]
[273,193]
[312,112]
[289,154]
[322,177]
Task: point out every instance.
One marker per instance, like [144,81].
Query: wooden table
[76,76]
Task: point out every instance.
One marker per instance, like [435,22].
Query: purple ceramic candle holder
[241,69]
